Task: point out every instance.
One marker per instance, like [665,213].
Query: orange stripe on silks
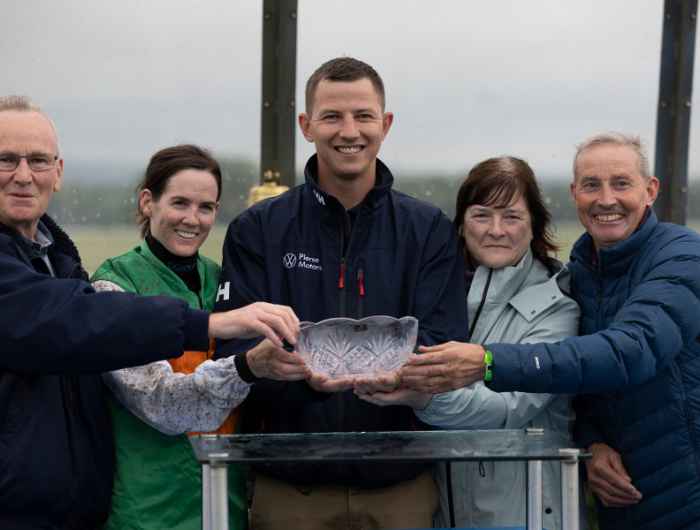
[187,363]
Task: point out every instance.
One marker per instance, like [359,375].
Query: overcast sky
[465,79]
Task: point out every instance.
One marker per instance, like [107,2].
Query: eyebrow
[480,208]
[183,198]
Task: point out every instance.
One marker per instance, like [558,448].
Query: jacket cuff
[505,370]
[243,368]
[196,330]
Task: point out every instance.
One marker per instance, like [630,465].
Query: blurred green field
[98,244]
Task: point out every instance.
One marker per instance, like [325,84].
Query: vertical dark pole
[279,66]
[673,116]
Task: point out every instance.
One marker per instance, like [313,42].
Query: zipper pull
[361,282]
[341,277]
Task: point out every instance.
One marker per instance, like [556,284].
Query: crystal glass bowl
[344,346]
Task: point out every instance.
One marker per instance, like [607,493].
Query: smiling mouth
[608,218]
[186,235]
[349,149]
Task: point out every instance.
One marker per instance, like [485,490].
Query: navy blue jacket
[56,443]
[639,353]
[399,257]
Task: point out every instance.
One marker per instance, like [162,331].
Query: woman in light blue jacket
[517,295]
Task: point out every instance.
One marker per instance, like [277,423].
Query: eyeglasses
[36,161]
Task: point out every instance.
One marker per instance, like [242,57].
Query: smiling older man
[58,334]
[638,284]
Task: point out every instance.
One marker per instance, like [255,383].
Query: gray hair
[18,104]
[14,103]
[620,139]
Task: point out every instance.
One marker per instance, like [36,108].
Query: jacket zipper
[341,275]
[360,292]
[341,287]
[484,294]
[342,310]
[345,231]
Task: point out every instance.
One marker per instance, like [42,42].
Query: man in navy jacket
[638,357]
[342,244]
[57,335]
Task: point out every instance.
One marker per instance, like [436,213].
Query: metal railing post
[215,494]
[206,497]
[534,495]
[569,489]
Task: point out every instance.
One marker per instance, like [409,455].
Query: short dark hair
[166,163]
[344,69]
[497,182]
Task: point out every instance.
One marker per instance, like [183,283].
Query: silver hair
[14,103]
[615,138]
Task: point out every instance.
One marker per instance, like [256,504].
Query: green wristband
[488,364]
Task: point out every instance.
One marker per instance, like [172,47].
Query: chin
[184,250]
[348,176]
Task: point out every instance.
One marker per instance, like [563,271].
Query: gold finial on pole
[270,187]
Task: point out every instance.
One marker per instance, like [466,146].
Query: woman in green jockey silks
[154,407]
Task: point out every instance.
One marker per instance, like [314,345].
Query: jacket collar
[505,282]
[526,287]
[166,273]
[61,248]
[383,184]
[615,259]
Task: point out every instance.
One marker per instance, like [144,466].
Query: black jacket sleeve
[55,325]
[243,279]
[440,292]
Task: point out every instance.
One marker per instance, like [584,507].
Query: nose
[23,174]
[191,218]
[349,128]
[496,226]
[607,195]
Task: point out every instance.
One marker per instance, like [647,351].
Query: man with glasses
[58,334]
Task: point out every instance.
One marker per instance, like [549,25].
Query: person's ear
[652,185]
[305,126]
[59,175]
[146,202]
[387,121]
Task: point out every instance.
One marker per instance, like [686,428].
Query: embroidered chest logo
[319,198]
[300,260]
[289,260]
[224,291]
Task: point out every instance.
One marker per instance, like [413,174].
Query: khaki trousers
[281,506]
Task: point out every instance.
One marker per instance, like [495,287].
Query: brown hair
[343,69]
[166,163]
[498,182]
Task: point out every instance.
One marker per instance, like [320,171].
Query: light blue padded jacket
[523,304]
